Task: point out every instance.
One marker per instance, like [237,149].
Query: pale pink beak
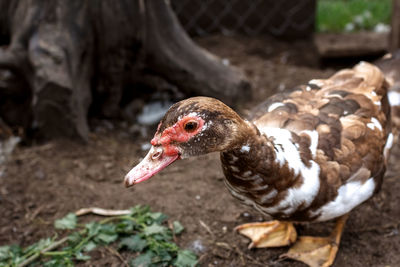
[152,164]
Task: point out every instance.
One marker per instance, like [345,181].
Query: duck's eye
[190,126]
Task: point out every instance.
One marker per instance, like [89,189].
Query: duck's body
[310,155]
[317,152]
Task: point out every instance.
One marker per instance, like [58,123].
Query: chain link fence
[281,18]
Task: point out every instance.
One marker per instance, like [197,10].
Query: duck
[312,154]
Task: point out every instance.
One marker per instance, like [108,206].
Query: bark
[69,56]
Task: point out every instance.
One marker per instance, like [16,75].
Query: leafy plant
[141,231]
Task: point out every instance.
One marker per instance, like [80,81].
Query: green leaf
[13,254]
[139,210]
[134,243]
[186,258]
[89,246]
[68,222]
[155,229]
[158,216]
[107,234]
[4,252]
[81,257]
[177,227]
[64,261]
[93,228]
[143,260]
[125,226]
[106,237]
[163,256]
[37,247]
[75,237]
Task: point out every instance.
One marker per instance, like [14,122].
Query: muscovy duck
[309,155]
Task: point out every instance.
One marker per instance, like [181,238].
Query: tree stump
[68,56]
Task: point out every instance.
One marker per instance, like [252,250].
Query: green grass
[334,15]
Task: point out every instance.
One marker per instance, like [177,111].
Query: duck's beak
[154,162]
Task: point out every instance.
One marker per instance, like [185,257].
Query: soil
[44,182]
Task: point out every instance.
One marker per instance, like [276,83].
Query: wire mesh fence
[282,18]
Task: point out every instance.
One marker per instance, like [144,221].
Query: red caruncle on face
[180,132]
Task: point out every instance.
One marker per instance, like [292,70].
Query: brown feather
[340,110]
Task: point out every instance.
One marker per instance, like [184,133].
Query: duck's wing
[348,115]
[359,92]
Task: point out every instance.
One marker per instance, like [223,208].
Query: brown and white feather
[339,127]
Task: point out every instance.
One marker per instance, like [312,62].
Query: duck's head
[191,127]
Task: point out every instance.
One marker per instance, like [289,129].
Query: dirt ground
[44,182]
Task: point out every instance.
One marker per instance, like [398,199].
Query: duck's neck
[253,152]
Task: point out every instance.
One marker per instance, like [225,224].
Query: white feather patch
[374,123]
[275,106]
[245,149]
[394,98]
[317,82]
[350,195]
[287,153]
[388,146]
[389,142]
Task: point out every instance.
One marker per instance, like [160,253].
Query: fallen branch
[205,226]
[101,212]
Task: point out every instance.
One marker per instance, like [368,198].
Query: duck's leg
[268,234]
[318,251]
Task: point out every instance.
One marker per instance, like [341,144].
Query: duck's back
[351,94]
